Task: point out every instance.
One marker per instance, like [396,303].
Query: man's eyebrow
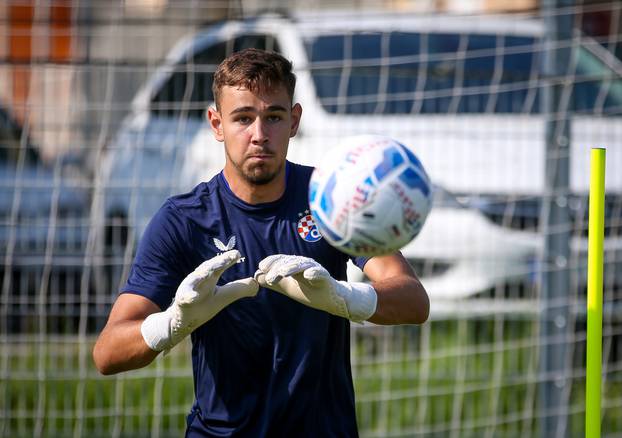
[250,109]
[243,109]
[273,108]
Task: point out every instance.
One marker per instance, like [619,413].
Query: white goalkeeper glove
[306,281]
[196,301]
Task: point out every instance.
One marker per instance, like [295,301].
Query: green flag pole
[595,293]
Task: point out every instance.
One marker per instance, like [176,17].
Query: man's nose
[260,134]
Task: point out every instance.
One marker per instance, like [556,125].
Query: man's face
[256,128]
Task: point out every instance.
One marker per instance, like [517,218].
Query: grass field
[464,378]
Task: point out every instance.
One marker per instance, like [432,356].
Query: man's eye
[243,119]
[274,118]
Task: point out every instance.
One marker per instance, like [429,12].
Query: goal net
[98,126]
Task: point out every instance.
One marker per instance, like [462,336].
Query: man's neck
[255,193]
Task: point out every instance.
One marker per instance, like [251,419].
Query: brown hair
[256,70]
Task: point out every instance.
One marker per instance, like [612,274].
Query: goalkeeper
[268,312]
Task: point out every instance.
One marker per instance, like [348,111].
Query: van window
[598,86]
[441,73]
[188,90]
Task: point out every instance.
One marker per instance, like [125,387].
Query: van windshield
[441,73]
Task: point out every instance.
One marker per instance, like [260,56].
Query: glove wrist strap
[361,301]
[156,331]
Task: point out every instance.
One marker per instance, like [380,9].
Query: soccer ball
[370,196]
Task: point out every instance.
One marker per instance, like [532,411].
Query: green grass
[104,407]
[472,378]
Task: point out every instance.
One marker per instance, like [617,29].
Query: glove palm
[306,281]
[197,300]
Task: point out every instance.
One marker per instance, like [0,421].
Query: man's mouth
[260,156]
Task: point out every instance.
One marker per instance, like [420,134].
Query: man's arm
[121,346]
[402,299]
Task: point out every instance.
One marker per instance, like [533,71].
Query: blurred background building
[85,55]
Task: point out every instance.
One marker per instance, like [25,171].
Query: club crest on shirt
[229,246]
[306,227]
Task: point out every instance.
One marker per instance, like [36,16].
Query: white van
[462,92]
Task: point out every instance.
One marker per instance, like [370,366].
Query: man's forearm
[121,347]
[401,300]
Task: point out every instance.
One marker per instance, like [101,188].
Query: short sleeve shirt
[266,365]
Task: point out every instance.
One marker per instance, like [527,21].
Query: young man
[267,311]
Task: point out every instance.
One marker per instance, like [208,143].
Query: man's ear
[296,114]
[215,122]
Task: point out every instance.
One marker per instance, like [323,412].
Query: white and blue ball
[370,195]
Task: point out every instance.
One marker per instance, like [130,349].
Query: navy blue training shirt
[265,366]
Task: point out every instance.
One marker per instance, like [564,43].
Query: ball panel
[325,229]
[391,159]
[412,158]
